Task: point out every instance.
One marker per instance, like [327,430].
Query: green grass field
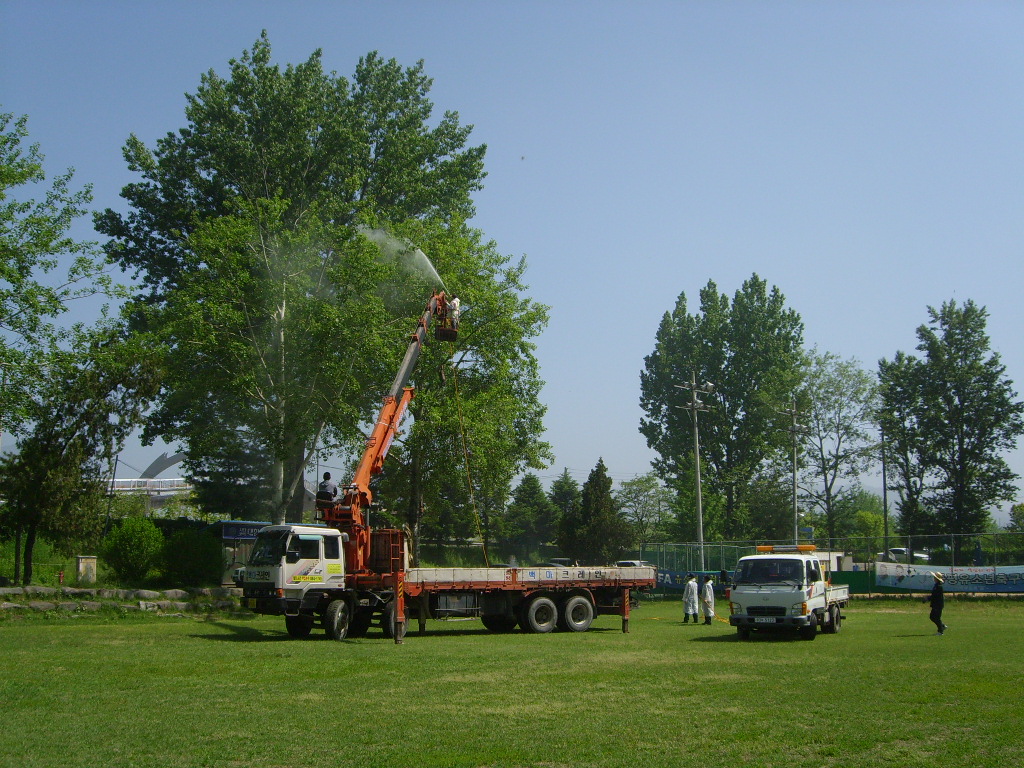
[166,691]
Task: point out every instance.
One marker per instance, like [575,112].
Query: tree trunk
[414,506]
[277,492]
[17,555]
[30,543]
[294,470]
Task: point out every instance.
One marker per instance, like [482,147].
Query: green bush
[193,558]
[133,548]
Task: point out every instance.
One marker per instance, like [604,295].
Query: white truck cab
[291,565]
[785,587]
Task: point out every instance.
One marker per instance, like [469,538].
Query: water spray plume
[404,252]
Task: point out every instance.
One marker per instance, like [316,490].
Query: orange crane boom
[348,512]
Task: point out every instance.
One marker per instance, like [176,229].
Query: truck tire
[298,627]
[540,616]
[499,624]
[577,614]
[336,619]
[360,623]
[834,621]
[811,630]
[387,622]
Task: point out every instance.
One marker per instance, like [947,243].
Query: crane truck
[345,576]
[785,588]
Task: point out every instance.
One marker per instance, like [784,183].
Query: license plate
[764,620]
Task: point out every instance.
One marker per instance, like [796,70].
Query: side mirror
[291,556]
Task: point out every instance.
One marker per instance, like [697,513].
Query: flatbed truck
[345,576]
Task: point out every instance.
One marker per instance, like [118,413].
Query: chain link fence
[867,564]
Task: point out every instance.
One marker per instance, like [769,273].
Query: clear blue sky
[866,158]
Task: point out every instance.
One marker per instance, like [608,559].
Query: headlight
[799,609]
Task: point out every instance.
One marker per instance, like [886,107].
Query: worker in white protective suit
[690,599]
[707,599]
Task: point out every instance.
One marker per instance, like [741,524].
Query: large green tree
[282,323]
[750,349]
[42,268]
[838,399]
[963,414]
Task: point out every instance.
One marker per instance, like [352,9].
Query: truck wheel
[837,619]
[743,633]
[387,622]
[298,627]
[336,619]
[499,624]
[577,614]
[811,630]
[540,615]
[360,623]
[834,620]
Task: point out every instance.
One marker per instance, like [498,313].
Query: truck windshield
[269,548]
[770,571]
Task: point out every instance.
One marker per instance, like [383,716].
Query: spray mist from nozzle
[402,251]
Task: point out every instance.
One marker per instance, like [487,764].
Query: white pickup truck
[785,588]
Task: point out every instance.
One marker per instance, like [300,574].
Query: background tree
[597,534]
[838,399]
[529,518]
[279,321]
[969,419]
[951,414]
[1016,521]
[566,497]
[93,399]
[647,506]
[42,268]
[750,349]
[900,407]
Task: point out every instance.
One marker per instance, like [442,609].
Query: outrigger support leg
[625,610]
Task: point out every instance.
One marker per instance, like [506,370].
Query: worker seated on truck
[327,490]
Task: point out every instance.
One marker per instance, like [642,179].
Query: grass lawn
[165,691]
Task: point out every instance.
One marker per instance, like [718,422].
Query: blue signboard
[235,530]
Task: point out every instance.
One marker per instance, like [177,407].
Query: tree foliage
[957,414]
[281,322]
[750,349]
[42,268]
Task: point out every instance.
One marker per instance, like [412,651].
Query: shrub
[133,548]
[193,558]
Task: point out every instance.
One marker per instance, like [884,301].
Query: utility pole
[693,407]
[795,430]
[885,496]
